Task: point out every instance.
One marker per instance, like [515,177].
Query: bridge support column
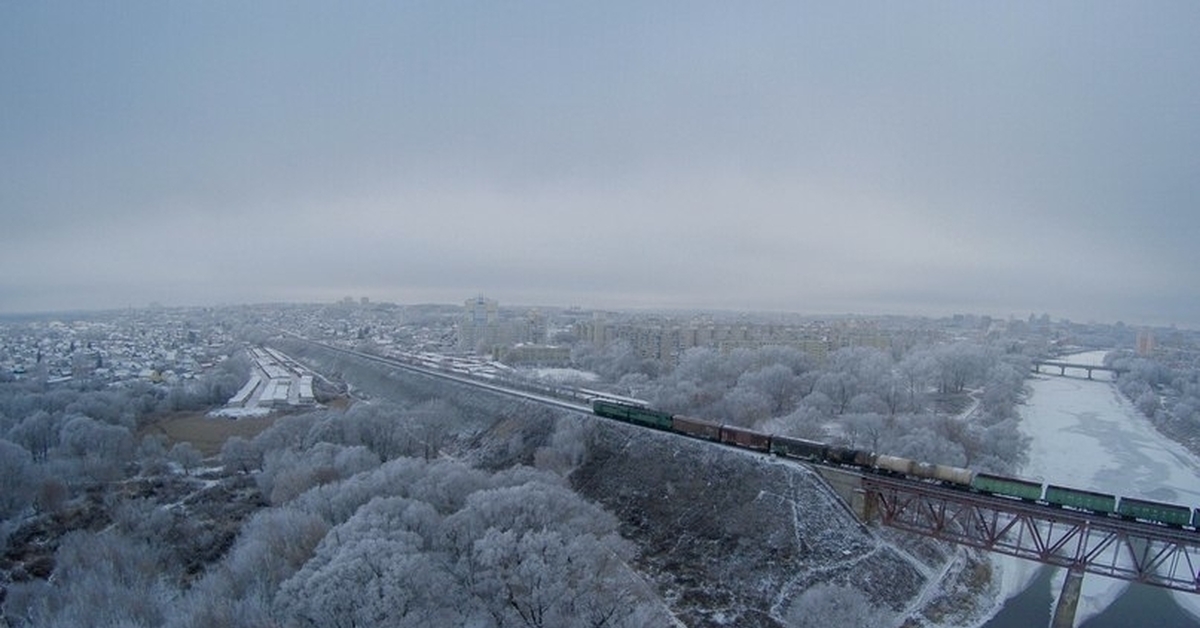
[1068,599]
[849,487]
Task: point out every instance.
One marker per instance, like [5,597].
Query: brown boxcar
[745,438]
[697,428]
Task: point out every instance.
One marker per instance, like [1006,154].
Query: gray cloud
[922,159]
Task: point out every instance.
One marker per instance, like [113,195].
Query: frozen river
[1086,435]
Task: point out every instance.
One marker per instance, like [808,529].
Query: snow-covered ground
[1086,435]
[565,375]
[239,413]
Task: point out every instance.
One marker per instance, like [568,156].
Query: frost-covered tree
[567,448]
[240,455]
[103,449]
[777,383]
[104,579]
[839,387]
[289,472]
[828,604]
[916,371]
[38,433]
[186,455]
[959,365]
[427,426]
[18,478]
[378,568]
[440,543]
[1147,403]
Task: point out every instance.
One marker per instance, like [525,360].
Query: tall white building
[480,324]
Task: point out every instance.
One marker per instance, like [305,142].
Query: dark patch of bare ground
[194,519]
[731,537]
[207,433]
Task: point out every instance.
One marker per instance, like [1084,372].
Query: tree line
[951,404]
[56,441]
[364,527]
[1168,395]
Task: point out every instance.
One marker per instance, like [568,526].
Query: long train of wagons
[817,452]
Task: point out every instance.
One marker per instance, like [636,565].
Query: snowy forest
[952,404]
[426,510]
[1168,394]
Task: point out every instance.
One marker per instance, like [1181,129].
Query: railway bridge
[1079,541]
[1063,366]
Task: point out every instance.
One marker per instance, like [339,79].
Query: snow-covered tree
[18,478]
[828,604]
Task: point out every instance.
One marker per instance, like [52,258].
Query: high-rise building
[1145,342]
[479,325]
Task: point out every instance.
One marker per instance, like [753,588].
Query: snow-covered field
[239,413]
[565,375]
[1086,435]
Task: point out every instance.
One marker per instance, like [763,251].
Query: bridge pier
[848,486]
[1068,600]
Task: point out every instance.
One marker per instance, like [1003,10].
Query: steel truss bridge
[1080,542]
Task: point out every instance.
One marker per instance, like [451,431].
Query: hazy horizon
[917,159]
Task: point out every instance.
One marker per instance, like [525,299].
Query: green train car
[1156,512]
[1007,487]
[1013,488]
[632,414]
[1080,499]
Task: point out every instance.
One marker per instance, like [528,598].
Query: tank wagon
[955,477]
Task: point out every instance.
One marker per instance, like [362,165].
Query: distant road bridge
[1063,366]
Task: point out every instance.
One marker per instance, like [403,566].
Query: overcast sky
[1000,158]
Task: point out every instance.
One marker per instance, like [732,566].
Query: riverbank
[1085,434]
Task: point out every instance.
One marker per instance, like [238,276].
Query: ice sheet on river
[1086,435]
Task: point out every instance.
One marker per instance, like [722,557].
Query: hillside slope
[734,538]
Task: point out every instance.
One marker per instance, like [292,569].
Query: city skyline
[824,160]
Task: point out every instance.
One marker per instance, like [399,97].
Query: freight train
[965,479]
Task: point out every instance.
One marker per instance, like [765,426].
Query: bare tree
[38,433]
[186,456]
[828,604]
[240,455]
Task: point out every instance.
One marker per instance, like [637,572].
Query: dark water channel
[1140,606]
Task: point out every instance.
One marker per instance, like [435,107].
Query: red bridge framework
[1081,542]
